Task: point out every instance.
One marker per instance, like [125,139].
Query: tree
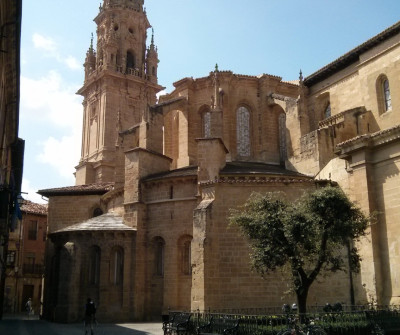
[307,236]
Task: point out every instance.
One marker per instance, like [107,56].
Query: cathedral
[145,228]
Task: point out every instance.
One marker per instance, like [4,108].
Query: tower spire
[91,43]
[217,105]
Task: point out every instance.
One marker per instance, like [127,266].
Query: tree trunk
[302,294]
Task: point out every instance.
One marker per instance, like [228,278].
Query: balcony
[33,269]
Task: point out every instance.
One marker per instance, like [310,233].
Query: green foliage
[308,235]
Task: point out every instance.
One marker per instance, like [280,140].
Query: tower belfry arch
[120,83]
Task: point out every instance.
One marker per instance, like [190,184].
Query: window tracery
[243,131]
[207,124]
[328,111]
[386,95]
[383,94]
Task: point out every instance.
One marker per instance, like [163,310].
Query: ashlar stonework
[145,227]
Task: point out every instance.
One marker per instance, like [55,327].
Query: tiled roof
[235,168]
[352,56]
[106,222]
[168,102]
[183,172]
[231,168]
[369,136]
[237,75]
[30,207]
[98,188]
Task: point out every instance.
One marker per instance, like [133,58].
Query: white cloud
[62,154]
[49,102]
[50,99]
[45,43]
[29,192]
[73,63]
[49,46]
[159,94]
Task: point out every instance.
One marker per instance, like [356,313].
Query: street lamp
[20,200]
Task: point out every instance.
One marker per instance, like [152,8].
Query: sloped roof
[395,130]
[231,168]
[236,168]
[98,188]
[106,222]
[182,172]
[30,207]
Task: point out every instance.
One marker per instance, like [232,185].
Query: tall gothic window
[94,265]
[243,131]
[282,138]
[187,257]
[117,266]
[205,116]
[207,124]
[386,95]
[159,247]
[328,111]
[383,94]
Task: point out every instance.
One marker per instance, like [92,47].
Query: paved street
[23,326]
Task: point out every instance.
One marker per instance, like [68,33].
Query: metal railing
[359,320]
[37,269]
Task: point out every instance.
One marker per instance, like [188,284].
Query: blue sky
[277,37]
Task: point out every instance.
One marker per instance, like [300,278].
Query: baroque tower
[120,84]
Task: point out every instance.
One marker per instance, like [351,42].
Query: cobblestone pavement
[21,325]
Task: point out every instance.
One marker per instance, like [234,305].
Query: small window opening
[97,212]
[328,111]
[130,60]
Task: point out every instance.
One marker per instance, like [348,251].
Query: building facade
[12,147]
[145,228]
[25,259]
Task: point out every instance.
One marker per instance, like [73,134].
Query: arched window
[282,138]
[383,94]
[386,95]
[117,266]
[243,131]
[159,247]
[97,212]
[205,116]
[94,265]
[328,111]
[187,257]
[130,60]
[207,124]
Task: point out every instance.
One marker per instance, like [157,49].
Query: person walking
[28,307]
[90,315]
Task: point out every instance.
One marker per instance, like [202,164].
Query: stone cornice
[251,180]
[369,140]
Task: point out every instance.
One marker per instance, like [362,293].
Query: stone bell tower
[120,84]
